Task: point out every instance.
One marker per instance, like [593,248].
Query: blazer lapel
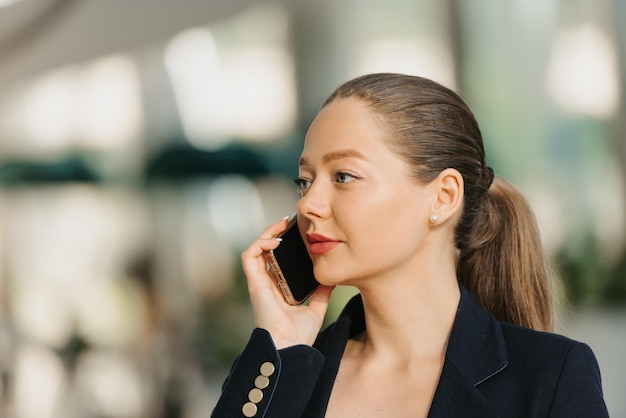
[476,352]
[332,342]
[455,397]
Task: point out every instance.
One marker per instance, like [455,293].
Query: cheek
[377,218]
[392,227]
[379,233]
[387,212]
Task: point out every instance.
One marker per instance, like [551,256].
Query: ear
[448,191]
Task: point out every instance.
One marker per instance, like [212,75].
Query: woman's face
[361,213]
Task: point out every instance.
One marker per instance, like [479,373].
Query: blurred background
[144,144]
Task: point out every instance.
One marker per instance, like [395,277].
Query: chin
[326,281]
[330,278]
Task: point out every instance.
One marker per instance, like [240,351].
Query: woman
[453,316]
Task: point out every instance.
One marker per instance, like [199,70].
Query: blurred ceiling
[36,35]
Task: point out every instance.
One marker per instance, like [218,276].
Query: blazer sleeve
[266,382]
[579,388]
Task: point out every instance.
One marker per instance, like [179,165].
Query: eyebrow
[337,155]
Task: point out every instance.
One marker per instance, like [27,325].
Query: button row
[256,394]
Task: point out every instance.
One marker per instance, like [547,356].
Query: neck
[403,325]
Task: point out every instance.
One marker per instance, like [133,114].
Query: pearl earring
[434,218]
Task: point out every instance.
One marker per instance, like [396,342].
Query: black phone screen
[295,264]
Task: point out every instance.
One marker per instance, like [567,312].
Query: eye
[302,183]
[343,177]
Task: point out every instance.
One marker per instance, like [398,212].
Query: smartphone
[291,265]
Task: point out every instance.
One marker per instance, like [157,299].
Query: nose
[314,203]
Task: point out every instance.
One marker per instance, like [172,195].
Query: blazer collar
[476,347]
[476,351]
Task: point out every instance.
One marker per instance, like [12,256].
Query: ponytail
[502,262]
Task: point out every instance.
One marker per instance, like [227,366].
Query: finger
[276,228]
[251,259]
[263,298]
[259,246]
[254,263]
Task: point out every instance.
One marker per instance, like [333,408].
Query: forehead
[346,123]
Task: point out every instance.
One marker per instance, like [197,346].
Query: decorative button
[249,409]
[261,382]
[267,369]
[255,395]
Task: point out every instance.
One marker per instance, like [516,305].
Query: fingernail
[277,239]
[285,218]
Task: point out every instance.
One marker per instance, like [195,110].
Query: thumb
[319,300]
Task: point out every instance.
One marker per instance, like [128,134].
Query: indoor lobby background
[145,143]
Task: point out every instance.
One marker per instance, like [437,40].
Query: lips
[319,244]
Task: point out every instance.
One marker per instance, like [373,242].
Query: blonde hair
[501,260]
[503,265]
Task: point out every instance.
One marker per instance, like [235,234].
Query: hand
[288,325]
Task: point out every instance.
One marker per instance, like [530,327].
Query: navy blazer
[491,369]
